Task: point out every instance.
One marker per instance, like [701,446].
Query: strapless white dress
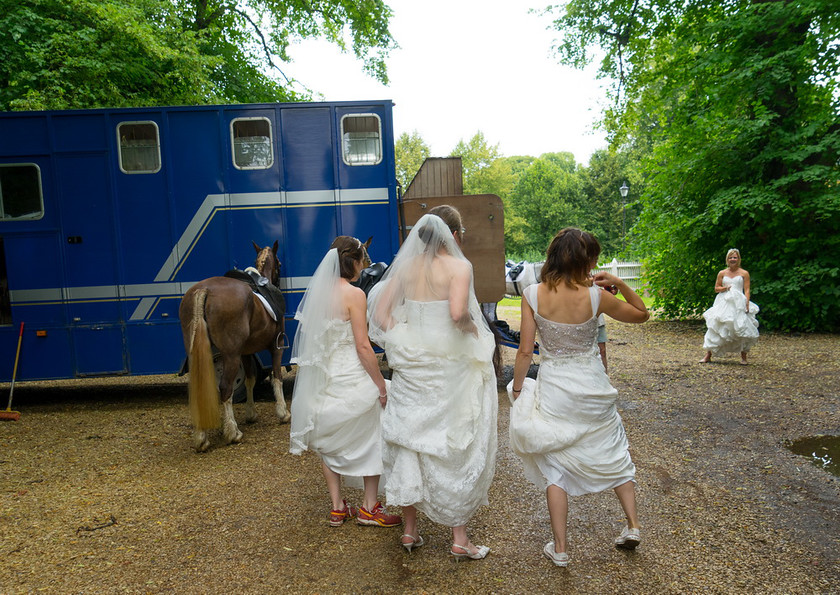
[565,426]
[341,421]
[439,426]
[729,327]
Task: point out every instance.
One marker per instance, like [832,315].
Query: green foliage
[548,196]
[58,54]
[738,104]
[614,216]
[410,151]
[483,170]
[81,53]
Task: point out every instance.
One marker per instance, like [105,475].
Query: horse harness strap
[514,273]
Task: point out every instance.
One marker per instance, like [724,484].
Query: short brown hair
[569,258]
[593,247]
[350,251]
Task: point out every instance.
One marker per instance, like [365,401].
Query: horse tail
[203,387]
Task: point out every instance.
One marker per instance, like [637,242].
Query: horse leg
[230,368]
[277,385]
[201,441]
[250,381]
[230,430]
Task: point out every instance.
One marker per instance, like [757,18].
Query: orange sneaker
[377,516]
[337,517]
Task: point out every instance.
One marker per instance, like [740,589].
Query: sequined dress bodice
[558,339]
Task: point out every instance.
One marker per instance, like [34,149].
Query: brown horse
[225,314]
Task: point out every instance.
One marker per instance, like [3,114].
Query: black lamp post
[624,190]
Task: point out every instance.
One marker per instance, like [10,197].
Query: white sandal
[481,552]
[414,542]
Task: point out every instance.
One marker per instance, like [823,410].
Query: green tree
[614,216]
[410,151]
[548,196]
[739,102]
[57,54]
[482,174]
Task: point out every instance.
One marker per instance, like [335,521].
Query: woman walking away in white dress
[439,426]
[339,390]
[565,426]
[731,325]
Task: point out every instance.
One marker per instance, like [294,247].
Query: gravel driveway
[101,492]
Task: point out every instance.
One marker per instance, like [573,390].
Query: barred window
[139,147]
[361,136]
[252,143]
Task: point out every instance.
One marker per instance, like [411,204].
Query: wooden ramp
[439,182]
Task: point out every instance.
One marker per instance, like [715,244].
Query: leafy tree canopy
[738,104]
[548,196]
[410,151]
[57,54]
[478,158]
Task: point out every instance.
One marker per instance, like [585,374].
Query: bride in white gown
[565,426]
[339,390]
[731,325]
[439,427]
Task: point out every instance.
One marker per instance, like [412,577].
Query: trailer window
[139,147]
[361,137]
[251,142]
[20,192]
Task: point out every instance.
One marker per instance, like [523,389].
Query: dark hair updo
[569,258]
[350,252]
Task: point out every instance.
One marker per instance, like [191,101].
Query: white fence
[518,276]
[629,272]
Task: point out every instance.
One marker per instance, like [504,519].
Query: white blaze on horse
[225,314]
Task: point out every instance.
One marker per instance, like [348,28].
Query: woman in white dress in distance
[339,389]
[731,325]
[565,426]
[439,427]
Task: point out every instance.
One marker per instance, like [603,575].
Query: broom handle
[14,371]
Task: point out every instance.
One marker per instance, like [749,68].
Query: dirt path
[100,492]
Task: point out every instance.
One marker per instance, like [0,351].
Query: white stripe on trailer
[163,285]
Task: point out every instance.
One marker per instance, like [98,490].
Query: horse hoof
[285,418]
[199,448]
[235,438]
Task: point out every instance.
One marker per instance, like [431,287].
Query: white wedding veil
[411,276]
[320,306]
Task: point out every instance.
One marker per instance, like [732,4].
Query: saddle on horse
[271,296]
[370,276]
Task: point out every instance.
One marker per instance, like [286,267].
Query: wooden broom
[8,414]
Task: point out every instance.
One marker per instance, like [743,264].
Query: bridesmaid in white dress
[731,325]
[339,390]
[439,426]
[565,426]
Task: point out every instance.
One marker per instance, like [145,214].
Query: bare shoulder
[355,293]
[456,266]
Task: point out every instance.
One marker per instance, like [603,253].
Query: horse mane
[262,258]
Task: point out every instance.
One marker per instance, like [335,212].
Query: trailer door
[88,222]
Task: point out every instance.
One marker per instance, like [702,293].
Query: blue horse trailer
[107,216]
